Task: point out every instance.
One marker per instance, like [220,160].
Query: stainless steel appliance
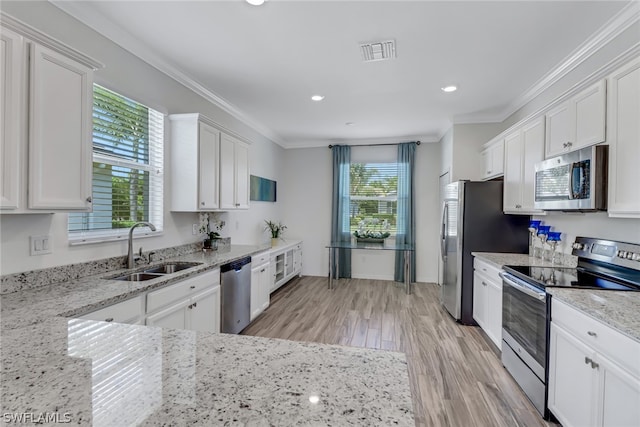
[602,264]
[575,181]
[472,220]
[235,284]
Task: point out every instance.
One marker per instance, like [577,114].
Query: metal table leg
[407,272]
[331,261]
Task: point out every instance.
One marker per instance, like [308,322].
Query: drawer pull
[109,319]
[195,304]
[192,287]
[587,360]
[592,334]
[484,284]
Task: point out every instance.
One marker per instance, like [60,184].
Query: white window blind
[374,194]
[127,170]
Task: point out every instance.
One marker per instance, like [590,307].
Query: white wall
[306,197]
[134,78]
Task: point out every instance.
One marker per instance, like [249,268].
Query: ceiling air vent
[378,51]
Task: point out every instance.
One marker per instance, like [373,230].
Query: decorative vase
[210,245]
[274,241]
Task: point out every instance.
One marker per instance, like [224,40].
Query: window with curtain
[128,142]
[374,195]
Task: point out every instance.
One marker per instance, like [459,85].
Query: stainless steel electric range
[602,264]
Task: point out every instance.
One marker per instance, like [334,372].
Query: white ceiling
[264,63]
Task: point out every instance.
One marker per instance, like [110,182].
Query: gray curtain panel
[406,233]
[340,227]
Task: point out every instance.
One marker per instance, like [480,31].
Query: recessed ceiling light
[450,88]
[317,98]
[314,398]
[256,2]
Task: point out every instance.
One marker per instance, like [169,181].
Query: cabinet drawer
[186,288]
[122,312]
[602,338]
[260,258]
[488,269]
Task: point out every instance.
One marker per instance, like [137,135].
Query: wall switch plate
[194,229]
[40,245]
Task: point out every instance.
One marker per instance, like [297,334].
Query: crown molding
[124,39]
[30,33]
[628,16]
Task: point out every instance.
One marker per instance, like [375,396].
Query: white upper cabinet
[623,136]
[195,157]
[11,117]
[234,173]
[60,132]
[493,159]
[524,147]
[210,169]
[578,122]
[46,122]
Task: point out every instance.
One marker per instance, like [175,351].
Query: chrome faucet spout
[130,261]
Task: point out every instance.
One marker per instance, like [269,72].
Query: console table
[335,247]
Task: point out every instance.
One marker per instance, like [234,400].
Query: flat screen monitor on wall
[262,189]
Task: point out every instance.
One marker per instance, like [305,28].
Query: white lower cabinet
[487,300]
[260,283]
[594,375]
[286,262]
[130,311]
[192,304]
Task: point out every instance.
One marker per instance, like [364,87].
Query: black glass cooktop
[570,277]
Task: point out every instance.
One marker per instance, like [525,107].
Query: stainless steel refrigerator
[473,221]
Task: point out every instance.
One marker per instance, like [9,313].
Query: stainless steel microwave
[575,181]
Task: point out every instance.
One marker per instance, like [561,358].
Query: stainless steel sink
[171,267]
[138,277]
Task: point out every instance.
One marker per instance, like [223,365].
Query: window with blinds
[127,169]
[374,195]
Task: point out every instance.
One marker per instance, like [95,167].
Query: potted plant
[210,227]
[372,230]
[276,230]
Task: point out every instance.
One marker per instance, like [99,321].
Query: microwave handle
[574,166]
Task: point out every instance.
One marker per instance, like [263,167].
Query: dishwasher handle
[235,265]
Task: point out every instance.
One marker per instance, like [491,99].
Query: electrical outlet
[194,229]
[39,245]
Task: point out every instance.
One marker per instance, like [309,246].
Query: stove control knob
[636,257]
[622,254]
[578,246]
[630,255]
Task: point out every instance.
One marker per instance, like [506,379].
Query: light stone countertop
[97,373]
[617,309]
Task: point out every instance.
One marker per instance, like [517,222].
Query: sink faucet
[130,261]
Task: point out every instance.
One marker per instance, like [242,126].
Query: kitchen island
[56,367]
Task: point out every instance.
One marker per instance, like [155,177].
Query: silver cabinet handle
[195,304]
[202,203]
[587,360]
[109,319]
[192,287]
[262,271]
[89,199]
[484,284]
[592,334]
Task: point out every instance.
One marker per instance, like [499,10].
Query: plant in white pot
[276,229]
[210,227]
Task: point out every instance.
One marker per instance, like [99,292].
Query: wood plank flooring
[456,377]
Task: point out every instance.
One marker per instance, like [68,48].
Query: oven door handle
[522,287]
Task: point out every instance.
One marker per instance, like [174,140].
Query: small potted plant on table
[276,230]
[372,230]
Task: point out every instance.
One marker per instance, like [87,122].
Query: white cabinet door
[11,118]
[559,133]
[174,316]
[129,311]
[619,400]
[532,153]
[623,136]
[493,159]
[60,128]
[256,293]
[480,301]
[512,200]
[205,311]
[242,175]
[208,159]
[265,286]
[494,313]
[590,116]
[572,382]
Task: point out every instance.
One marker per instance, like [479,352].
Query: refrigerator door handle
[443,236]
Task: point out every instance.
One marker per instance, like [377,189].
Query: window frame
[389,164]
[155,169]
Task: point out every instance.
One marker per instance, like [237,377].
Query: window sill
[89,240]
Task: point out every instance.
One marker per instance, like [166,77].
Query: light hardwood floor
[456,378]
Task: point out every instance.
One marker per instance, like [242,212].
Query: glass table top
[382,246]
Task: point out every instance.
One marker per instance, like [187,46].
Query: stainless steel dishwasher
[235,283]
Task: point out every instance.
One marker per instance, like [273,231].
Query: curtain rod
[375,145]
